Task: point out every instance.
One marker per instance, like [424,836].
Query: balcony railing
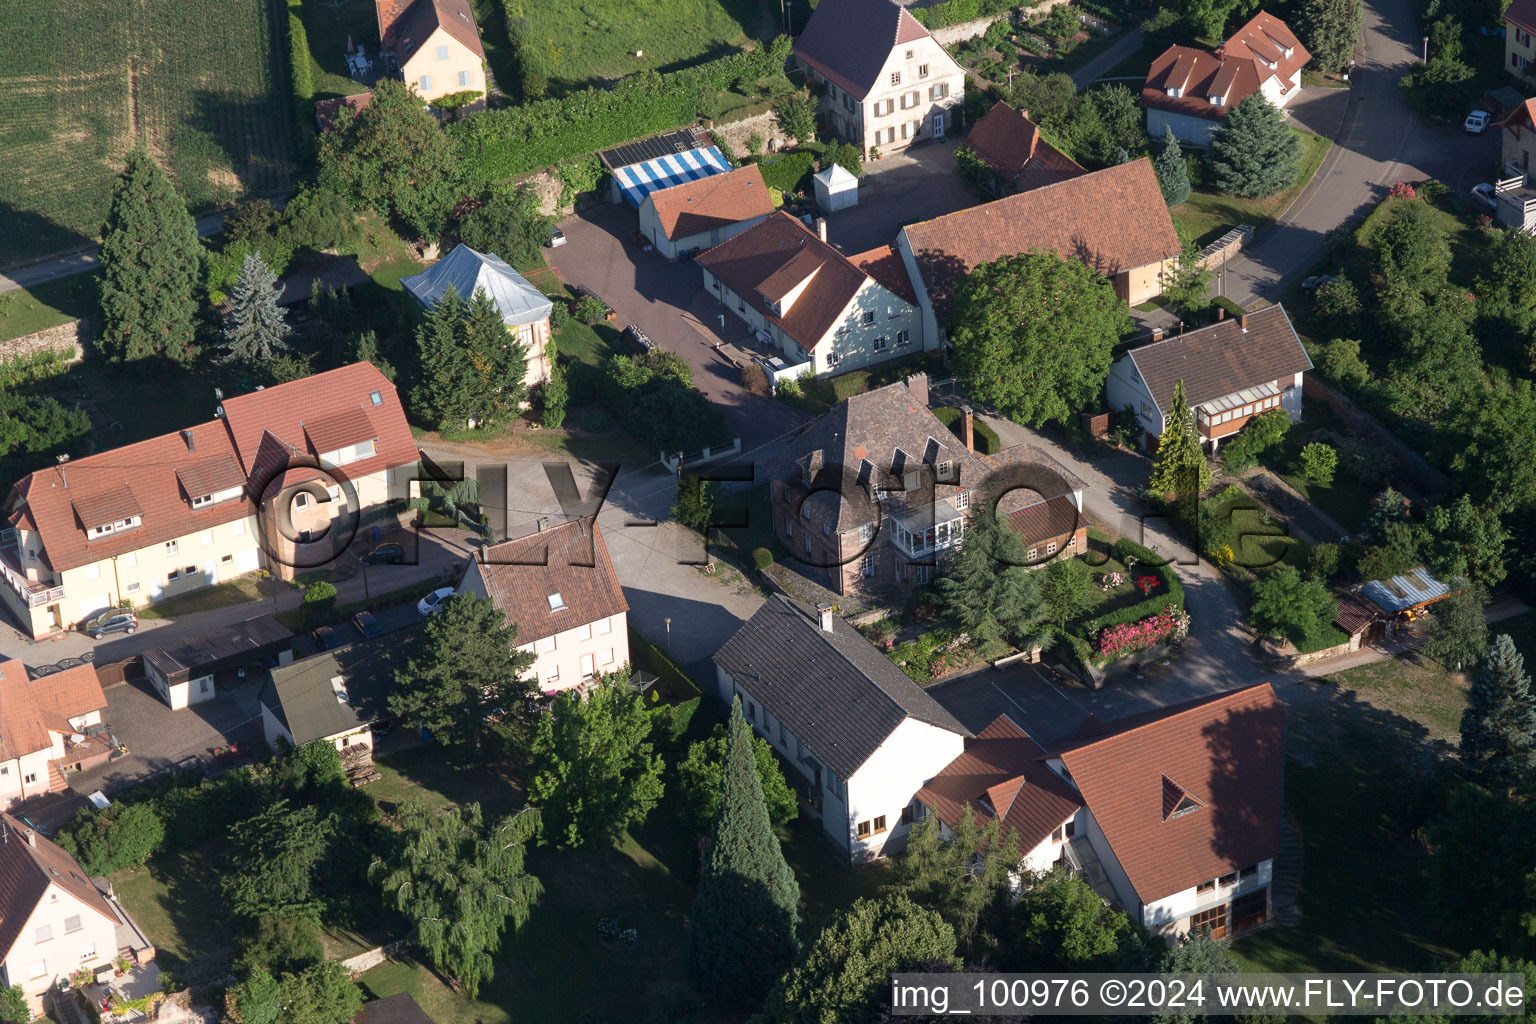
[32,593]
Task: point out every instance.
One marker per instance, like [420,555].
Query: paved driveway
[919,184]
[670,304]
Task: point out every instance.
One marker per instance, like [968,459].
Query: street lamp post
[1426,49]
[668,621]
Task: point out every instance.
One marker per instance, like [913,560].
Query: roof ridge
[1032,195]
[1171,711]
[1208,327]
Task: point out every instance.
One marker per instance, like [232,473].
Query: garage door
[91,605]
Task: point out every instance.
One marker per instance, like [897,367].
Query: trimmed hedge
[499,144]
[1172,595]
[788,170]
[987,441]
[678,684]
[301,77]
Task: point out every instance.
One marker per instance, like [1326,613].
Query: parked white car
[1484,194]
[1477,121]
[433,602]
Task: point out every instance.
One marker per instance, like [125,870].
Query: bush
[224,265]
[508,224]
[300,67]
[1319,462]
[754,379]
[652,397]
[762,558]
[253,220]
[591,310]
[788,171]
[1169,595]
[319,605]
[318,218]
[559,315]
[1232,308]
[121,836]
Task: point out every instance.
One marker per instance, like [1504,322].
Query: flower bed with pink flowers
[1172,623]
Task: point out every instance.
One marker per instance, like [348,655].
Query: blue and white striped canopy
[639,180]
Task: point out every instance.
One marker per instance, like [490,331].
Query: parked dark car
[386,554]
[367,625]
[327,637]
[637,338]
[115,620]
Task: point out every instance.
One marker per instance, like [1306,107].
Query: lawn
[590,42]
[220,595]
[29,310]
[203,85]
[176,900]
[1415,687]
[327,27]
[1206,216]
[1346,499]
[1359,791]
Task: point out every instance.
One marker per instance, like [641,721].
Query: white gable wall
[886,783]
[1125,387]
[36,965]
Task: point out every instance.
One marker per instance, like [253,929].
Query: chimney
[1242,321]
[1221,313]
[917,385]
[186,435]
[968,418]
[1157,334]
[32,839]
[824,616]
[821,228]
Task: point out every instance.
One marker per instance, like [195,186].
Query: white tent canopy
[468,271]
[836,188]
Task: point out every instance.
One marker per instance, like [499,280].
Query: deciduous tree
[461,885]
[962,876]
[1066,586]
[595,772]
[151,268]
[1255,154]
[1033,334]
[1410,249]
[1319,461]
[509,224]
[741,933]
[1062,924]
[1286,603]
[1498,728]
[797,116]
[1466,540]
[699,775]
[1179,468]
[1457,633]
[320,994]
[846,971]
[466,664]
[1261,434]
[987,589]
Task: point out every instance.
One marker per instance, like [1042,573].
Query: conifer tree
[446,378]
[1498,728]
[1254,154]
[1172,171]
[1180,466]
[152,265]
[988,590]
[257,328]
[741,935]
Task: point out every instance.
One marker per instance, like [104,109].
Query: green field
[203,85]
[592,41]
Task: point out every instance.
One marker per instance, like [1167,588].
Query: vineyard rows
[200,82]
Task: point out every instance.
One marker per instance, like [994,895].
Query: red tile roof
[1226,751]
[326,110]
[1235,71]
[1002,763]
[31,708]
[259,432]
[405,26]
[766,262]
[1010,143]
[520,575]
[29,864]
[1265,38]
[1114,220]
[885,266]
[707,204]
[1523,115]
[1047,520]
[1223,359]
[848,41]
[1522,13]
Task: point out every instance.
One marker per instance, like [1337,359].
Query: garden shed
[183,671]
[836,188]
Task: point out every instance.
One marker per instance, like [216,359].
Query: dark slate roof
[834,691]
[244,641]
[399,1008]
[1223,358]
[848,41]
[303,698]
[656,146]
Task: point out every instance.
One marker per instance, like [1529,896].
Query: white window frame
[425,83]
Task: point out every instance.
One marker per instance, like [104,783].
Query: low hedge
[1173,593]
[788,170]
[987,441]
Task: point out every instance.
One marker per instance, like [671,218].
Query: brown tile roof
[1113,220]
[1226,751]
[770,258]
[1522,13]
[107,506]
[337,430]
[1010,143]
[326,110]
[885,266]
[521,574]
[1355,613]
[1235,71]
[209,476]
[405,26]
[1003,764]
[1223,358]
[849,41]
[29,864]
[1523,115]
[21,715]
[254,433]
[1046,520]
[1265,38]
[717,201]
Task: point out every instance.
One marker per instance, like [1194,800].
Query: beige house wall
[890,119]
[24,777]
[431,75]
[1519,50]
[39,966]
[567,658]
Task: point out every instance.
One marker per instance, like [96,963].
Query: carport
[182,672]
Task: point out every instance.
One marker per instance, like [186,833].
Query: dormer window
[556,602]
[351,453]
[117,526]
[1289,50]
[1218,101]
[217,497]
[1175,91]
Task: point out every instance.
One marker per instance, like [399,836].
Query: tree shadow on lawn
[1361,783]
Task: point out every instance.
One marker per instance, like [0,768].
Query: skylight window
[556,602]
[375,398]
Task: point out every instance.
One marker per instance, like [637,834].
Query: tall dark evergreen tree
[988,590]
[257,328]
[1255,154]
[1498,728]
[152,264]
[470,366]
[1331,29]
[1180,466]
[742,933]
[1172,170]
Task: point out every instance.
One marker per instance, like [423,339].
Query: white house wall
[1118,880]
[932,334]
[15,773]
[92,945]
[272,728]
[886,783]
[1124,387]
[1170,915]
[1290,400]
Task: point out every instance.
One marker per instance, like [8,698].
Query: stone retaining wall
[71,337]
[766,124]
[369,959]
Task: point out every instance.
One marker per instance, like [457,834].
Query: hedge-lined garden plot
[203,84]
